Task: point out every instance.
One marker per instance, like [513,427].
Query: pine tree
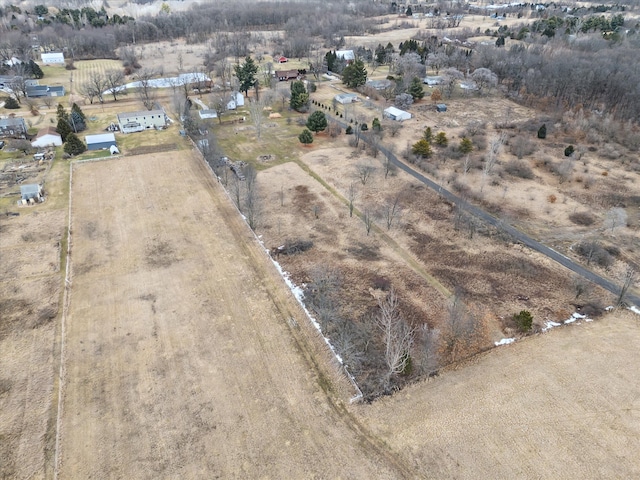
[422,148]
[11,103]
[354,75]
[63,129]
[305,137]
[73,145]
[427,135]
[317,121]
[246,74]
[376,125]
[61,113]
[34,69]
[78,110]
[465,145]
[542,131]
[415,88]
[299,97]
[441,139]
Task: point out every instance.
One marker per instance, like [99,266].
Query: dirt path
[180,361]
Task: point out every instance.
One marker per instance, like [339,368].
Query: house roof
[396,112]
[12,122]
[345,54]
[47,131]
[383,83]
[206,113]
[100,138]
[287,73]
[30,188]
[143,113]
[346,95]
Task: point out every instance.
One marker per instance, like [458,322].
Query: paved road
[513,232]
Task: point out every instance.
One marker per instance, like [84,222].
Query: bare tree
[391,210]
[397,335]
[256,111]
[628,280]
[451,77]
[367,218]
[462,333]
[219,104]
[352,195]
[485,79]
[615,217]
[113,80]
[251,206]
[364,172]
[495,145]
[390,168]
[146,92]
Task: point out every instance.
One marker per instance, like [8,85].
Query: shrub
[305,137]
[349,130]
[593,252]
[542,131]
[582,218]
[523,320]
[569,151]
[552,198]
[519,169]
[364,127]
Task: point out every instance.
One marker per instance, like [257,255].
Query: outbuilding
[205,114]
[346,55]
[432,81]
[31,191]
[52,58]
[47,137]
[101,141]
[345,98]
[441,107]
[237,100]
[394,113]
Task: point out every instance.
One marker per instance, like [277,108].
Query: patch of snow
[504,341]
[634,309]
[609,308]
[574,317]
[549,325]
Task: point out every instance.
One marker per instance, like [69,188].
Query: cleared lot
[179,359]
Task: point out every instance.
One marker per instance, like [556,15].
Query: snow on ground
[504,341]
[634,309]
[182,79]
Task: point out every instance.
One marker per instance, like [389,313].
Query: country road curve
[516,234]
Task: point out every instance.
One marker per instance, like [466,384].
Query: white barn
[237,100]
[396,114]
[52,58]
[47,137]
[345,98]
[139,121]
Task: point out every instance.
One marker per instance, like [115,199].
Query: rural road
[501,225]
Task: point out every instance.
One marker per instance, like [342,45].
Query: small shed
[114,150]
[47,137]
[53,58]
[345,98]
[441,107]
[394,113]
[206,113]
[101,141]
[281,59]
[31,190]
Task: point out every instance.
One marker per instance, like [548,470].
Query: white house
[47,137]
[344,98]
[346,55]
[396,114]
[139,121]
[51,58]
[237,100]
[206,113]
[432,81]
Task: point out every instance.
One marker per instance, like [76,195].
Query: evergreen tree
[354,75]
[376,125]
[542,131]
[63,129]
[441,139]
[78,110]
[246,74]
[427,135]
[422,148]
[500,41]
[465,145]
[317,121]
[299,97]
[409,12]
[305,137]
[73,145]
[331,58]
[61,113]
[11,103]
[415,89]
[34,69]
[76,122]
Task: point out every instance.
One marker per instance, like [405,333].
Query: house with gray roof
[13,127]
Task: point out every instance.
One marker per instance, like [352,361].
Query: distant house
[237,100]
[12,62]
[286,75]
[433,81]
[345,98]
[7,80]
[52,58]
[100,141]
[47,137]
[139,121]
[31,191]
[379,84]
[281,59]
[206,114]
[13,127]
[346,55]
[441,107]
[394,113]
